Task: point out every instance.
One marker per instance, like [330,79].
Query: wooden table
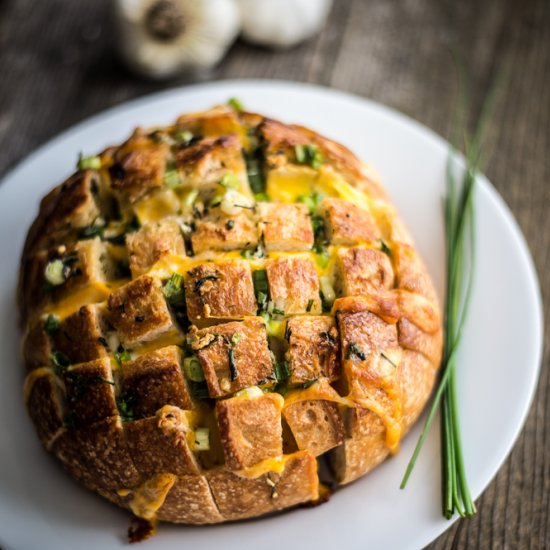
[57,67]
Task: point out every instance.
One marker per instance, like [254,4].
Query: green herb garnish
[51,324]
[282,371]
[236,104]
[355,351]
[122,356]
[261,289]
[193,369]
[236,338]
[232,365]
[89,163]
[90,232]
[230,181]
[173,290]
[126,403]
[184,136]
[230,224]
[309,154]
[385,248]
[460,251]
[172,178]
[309,305]
[60,362]
[311,201]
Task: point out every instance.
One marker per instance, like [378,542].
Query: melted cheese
[288,183]
[93,293]
[275,464]
[150,496]
[157,207]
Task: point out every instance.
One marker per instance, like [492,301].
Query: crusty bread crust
[158,280]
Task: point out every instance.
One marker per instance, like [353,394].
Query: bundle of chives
[460,259]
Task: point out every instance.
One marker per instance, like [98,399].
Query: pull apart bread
[213,307]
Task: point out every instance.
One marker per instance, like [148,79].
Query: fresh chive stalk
[460,257]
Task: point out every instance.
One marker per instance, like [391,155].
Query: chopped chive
[184,136]
[193,369]
[355,351]
[384,356]
[232,365]
[51,324]
[309,154]
[236,104]
[60,362]
[55,272]
[282,371]
[90,232]
[173,290]
[122,356]
[199,284]
[230,181]
[172,178]
[89,163]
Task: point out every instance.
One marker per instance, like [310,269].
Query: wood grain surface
[57,67]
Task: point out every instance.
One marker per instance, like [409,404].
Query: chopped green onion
[261,197]
[60,362]
[54,273]
[309,154]
[190,198]
[125,405]
[232,364]
[236,338]
[202,439]
[230,224]
[89,163]
[193,369]
[122,356]
[235,104]
[172,178]
[276,311]
[355,351]
[309,304]
[254,172]
[282,371]
[184,136]
[173,290]
[51,325]
[199,390]
[311,201]
[385,248]
[250,393]
[90,232]
[230,181]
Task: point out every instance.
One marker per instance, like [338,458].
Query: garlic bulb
[282,23]
[161,38]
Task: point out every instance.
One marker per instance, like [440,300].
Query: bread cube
[347,224]
[294,285]
[203,164]
[285,226]
[159,443]
[139,167]
[154,380]
[316,425]
[43,400]
[153,241]
[218,231]
[97,455]
[220,290]
[90,392]
[313,348]
[250,429]
[80,335]
[233,355]
[139,312]
[363,271]
[240,497]
[190,501]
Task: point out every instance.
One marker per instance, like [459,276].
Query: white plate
[41,507]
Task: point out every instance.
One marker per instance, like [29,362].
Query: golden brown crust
[137,351]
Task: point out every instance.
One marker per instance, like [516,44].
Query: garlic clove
[282,23]
[162,38]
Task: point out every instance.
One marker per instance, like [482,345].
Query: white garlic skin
[282,23]
[209,27]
